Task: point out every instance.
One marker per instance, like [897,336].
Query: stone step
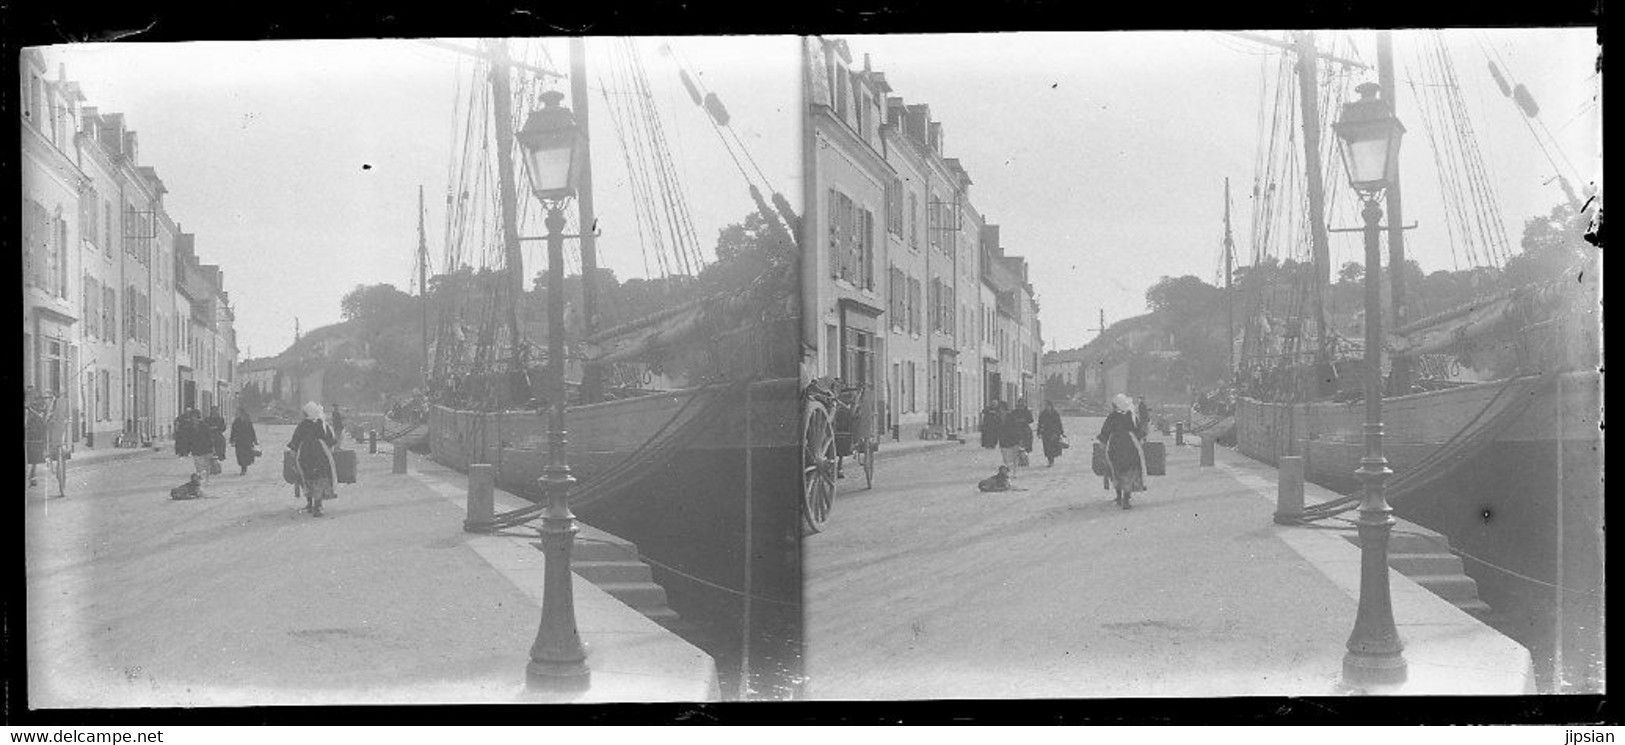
[1478,608]
[1410,543]
[1432,563]
[1456,588]
[598,572]
[1405,542]
[641,596]
[598,551]
[665,617]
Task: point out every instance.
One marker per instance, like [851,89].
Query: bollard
[1289,490]
[1179,433]
[372,442]
[1207,450]
[400,458]
[481,486]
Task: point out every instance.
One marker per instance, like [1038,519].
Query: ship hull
[1527,503]
[683,501]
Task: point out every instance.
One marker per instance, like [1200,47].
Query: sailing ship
[1492,433]
[683,426]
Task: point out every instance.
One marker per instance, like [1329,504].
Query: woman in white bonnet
[312,444]
[1125,459]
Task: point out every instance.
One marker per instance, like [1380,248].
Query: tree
[1351,273]
[1193,313]
[376,305]
[1183,297]
[1056,388]
[252,398]
[1553,244]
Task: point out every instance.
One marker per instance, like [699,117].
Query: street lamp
[1370,135]
[557,659]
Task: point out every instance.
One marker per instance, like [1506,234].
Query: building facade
[102,294]
[902,286]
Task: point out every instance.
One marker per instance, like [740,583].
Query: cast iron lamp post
[557,659]
[1370,135]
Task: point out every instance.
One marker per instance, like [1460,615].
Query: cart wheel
[869,462]
[817,467]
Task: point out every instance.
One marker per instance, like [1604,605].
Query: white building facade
[901,289]
[100,296]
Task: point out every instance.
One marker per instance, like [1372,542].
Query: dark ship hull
[677,473]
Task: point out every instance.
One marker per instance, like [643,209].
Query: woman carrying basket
[312,445]
[1125,459]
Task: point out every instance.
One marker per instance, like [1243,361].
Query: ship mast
[1303,43]
[1398,379]
[502,114]
[1308,101]
[591,375]
[1229,297]
[423,282]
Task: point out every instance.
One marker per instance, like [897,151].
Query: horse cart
[838,422]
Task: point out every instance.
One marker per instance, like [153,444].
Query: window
[842,94]
[935,221]
[93,313]
[60,254]
[841,229]
[860,108]
[914,306]
[34,252]
[107,226]
[913,222]
[912,383]
[51,364]
[865,253]
[896,393]
[935,299]
[109,314]
[832,351]
[894,207]
[87,215]
[895,295]
[105,397]
[859,357]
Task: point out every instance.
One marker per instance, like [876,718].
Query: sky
[1103,156]
[297,163]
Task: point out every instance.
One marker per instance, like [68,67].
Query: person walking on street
[312,445]
[1051,432]
[1016,437]
[338,423]
[196,439]
[216,425]
[244,440]
[1125,459]
[34,420]
[1025,416]
[175,432]
[1142,416]
[992,422]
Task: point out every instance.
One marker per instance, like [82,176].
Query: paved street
[927,588]
[137,600]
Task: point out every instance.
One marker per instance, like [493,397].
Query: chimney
[92,121]
[129,147]
[990,240]
[113,133]
[919,115]
[896,111]
[935,131]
